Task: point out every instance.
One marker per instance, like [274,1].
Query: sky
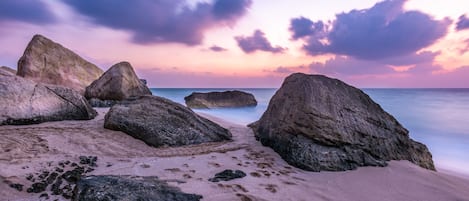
[254,43]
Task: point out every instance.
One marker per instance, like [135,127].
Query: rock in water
[318,123]
[220,99]
[160,122]
[123,188]
[23,101]
[45,61]
[8,69]
[118,83]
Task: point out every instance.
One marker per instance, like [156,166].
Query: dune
[33,148]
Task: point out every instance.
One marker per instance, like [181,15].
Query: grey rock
[160,122]
[318,123]
[94,102]
[45,61]
[126,188]
[227,175]
[118,83]
[8,69]
[220,99]
[23,101]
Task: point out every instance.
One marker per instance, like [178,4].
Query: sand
[29,149]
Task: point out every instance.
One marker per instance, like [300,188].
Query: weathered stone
[94,102]
[23,101]
[318,123]
[220,99]
[118,83]
[160,122]
[120,188]
[45,61]
[8,69]
[227,175]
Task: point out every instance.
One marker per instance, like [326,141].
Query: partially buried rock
[45,61]
[318,123]
[220,99]
[160,122]
[23,101]
[227,175]
[120,188]
[118,83]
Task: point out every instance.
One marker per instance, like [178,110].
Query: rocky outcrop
[8,69]
[123,188]
[160,122]
[318,123]
[220,99]
[45,61]
[23,101]
[118,83]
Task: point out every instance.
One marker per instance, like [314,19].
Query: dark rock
[52,177]
[18,187]
[55,188]
[94,102]
[318,123]
[25,102]
[227,175]
[43,174]
[88,160]
[45,61]
[160,122]
[220,99]
[37,187]
[72,176]
[45,196]
[120,188]
[118,83]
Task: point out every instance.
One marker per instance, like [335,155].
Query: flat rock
[160,122]
[227,175]
[8,69]
[45,61]
[118,83]
[220,99]
[123,188]
[318,123]
[23,101]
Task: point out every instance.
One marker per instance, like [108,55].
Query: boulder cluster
[313,122]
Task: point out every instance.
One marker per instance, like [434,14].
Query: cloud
[382,31]
[257,41]
[421,63]
[162,21]
[216,48]
[463,23]
[301,27]
[31,11]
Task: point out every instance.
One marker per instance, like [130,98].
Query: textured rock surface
[123,188]
[227,175]
[94,102]
[48,62]
[160,122]
[220,99]
[118,83]
[8,69]
[23,101]
[318,123]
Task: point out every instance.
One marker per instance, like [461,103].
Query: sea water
[438,118]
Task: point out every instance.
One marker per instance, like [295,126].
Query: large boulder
[220,99]
[118,83]
[23,101]
[45,61]
[160,122]
[124,188]
[8,69]
[318,123]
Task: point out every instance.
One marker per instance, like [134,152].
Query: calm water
[438,118]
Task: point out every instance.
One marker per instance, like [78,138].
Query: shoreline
[33,147]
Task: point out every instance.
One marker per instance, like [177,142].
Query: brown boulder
[45,61]
[318,123]
[118,83]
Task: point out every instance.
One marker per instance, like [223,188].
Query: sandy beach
[33,148]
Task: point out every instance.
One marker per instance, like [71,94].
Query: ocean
[438,118]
